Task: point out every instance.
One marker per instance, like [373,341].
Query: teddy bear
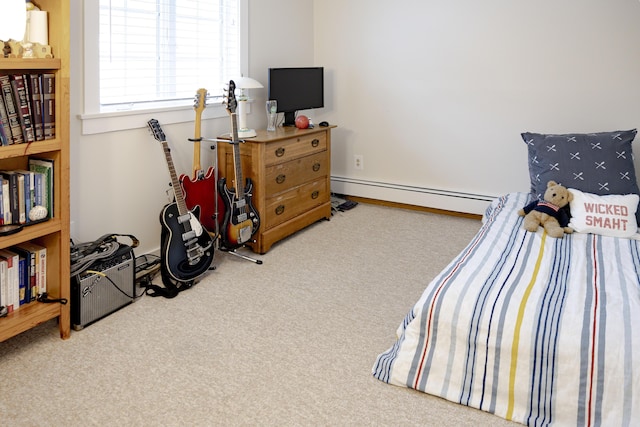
[550,213]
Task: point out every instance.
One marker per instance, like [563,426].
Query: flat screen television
[299,88]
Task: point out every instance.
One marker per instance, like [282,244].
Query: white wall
[433,94]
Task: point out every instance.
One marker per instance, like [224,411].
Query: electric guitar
[241,220]
[187,251]
[200,189]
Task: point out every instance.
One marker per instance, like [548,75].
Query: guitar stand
[217,212]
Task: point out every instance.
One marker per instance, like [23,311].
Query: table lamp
[243,83]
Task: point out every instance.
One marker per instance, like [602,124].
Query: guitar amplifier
[103,288]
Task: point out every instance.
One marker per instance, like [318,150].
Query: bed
[531,328]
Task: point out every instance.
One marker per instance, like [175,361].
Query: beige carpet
[289,342]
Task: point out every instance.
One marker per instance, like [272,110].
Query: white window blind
[159,52]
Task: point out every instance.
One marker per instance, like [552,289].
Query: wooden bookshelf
[54,233]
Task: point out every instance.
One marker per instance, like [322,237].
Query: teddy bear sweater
[550,209]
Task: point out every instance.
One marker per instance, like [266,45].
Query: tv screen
[295,89]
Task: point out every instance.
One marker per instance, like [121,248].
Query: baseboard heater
[419,196]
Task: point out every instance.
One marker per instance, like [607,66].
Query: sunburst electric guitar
[187,250]
[200,189]
[241,220]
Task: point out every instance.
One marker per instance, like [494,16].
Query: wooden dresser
[290,169]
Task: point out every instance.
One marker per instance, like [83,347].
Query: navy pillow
[598,163]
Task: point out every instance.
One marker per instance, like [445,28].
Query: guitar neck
[239,182]
[200,103]
[175,183]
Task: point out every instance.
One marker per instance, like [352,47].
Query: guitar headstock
[156,130]
[230,97]
[200,100]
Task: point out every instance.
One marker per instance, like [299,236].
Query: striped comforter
[537,330]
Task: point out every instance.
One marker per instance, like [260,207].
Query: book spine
[39,188]
[49,101]
[42,271]
[6,202]
[22,106]
[1,203]
[22,280]
[12,178]
[12,112]
[29,192]
[35,86]
[4,283]
[22,217]
[5,128]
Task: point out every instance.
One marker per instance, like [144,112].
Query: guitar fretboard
[175,183]
[239,184]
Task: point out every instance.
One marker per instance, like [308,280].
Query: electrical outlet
[358,161]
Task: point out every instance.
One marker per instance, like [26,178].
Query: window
[153,55]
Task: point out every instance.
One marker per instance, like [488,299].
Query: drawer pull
[280,178]
[280,152]
[280,210]
[315,142]
[315,194]
[316,166]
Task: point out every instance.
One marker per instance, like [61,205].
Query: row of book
[23,274]
[23,189]
[27,107]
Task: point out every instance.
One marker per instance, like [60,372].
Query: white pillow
[611,215]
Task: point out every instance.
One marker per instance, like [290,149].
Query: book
[39,187]
[12,111]
[4,285]
[23,280]
[5,129]
[29,191]
[23,106]
[13,194]
[30,258]
[35,88]
[6,203]
[13,279]
[40,261]
[44,166]
[49,105]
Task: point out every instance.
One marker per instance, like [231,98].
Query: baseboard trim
[411,197]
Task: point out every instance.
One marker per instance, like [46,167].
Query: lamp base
[246,133]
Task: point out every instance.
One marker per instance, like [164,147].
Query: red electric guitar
[241,219]
[200,189]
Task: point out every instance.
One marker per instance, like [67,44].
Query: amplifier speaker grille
[105,287]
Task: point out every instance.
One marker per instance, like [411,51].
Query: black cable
[44,298]
[134,296]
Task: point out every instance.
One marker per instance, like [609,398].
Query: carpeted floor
[289,342]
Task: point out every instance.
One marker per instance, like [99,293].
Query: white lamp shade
[13,20]
[247,83]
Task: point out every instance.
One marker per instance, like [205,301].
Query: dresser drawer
[294,202]
[283,176]
[292,148]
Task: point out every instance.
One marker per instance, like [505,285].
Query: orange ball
[302,122]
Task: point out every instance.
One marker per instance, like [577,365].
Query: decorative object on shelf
[36,36]
[243,83]
[37,213]
[24,31]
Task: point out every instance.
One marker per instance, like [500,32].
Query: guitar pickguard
[241,220]
[186,256]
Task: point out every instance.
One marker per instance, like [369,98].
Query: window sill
[125,120]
